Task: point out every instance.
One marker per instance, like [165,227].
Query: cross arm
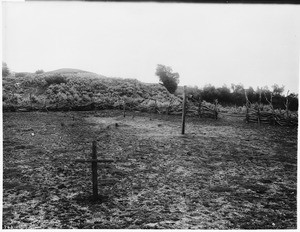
[94,160]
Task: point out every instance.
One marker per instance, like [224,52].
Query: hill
[74,89]
[67,70]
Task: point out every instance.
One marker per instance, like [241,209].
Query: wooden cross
[94,162]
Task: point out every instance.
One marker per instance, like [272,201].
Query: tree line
[235,95]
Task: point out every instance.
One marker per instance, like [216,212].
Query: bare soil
[222,174]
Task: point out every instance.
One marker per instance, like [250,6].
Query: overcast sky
[255,45]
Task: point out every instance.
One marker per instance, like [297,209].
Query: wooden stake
[183,110]
[248,105]
[199,107]
[94,171]
[216,109]
[287,105]
[258,115]
[258,112]
[30,98]
[124,106]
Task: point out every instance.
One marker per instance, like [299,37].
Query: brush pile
[272,118]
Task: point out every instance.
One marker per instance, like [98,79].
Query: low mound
[74,89]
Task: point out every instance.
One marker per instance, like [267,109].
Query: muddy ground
[222,174]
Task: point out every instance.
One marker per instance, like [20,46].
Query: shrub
[169,79]
[55,79]
[40,71]
[22,74]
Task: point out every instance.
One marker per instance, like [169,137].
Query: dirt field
[221,174]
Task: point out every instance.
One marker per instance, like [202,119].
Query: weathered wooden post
[94,162]
[183,110]
[247,107]
[155,107]
[287,105]
[30,99]
[258,111]
[247,114]
[94,170]
[199,107]
[272,108]
[216,109]
[124,106]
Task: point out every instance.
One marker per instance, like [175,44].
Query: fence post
[183,110]
[199,107]
[258,112]
[30,99]
[247,107]
[272,108]
[216,109]
[258,115]
[94,171]
[287,105]
[124,106]
[247,113]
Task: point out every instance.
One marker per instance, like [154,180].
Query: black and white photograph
[149,115]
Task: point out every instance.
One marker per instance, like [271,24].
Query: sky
[218,44]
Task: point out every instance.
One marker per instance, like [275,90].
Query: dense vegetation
[235,96]
[82,91]
[72,89]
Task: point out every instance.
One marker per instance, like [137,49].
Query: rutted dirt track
[220,175]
